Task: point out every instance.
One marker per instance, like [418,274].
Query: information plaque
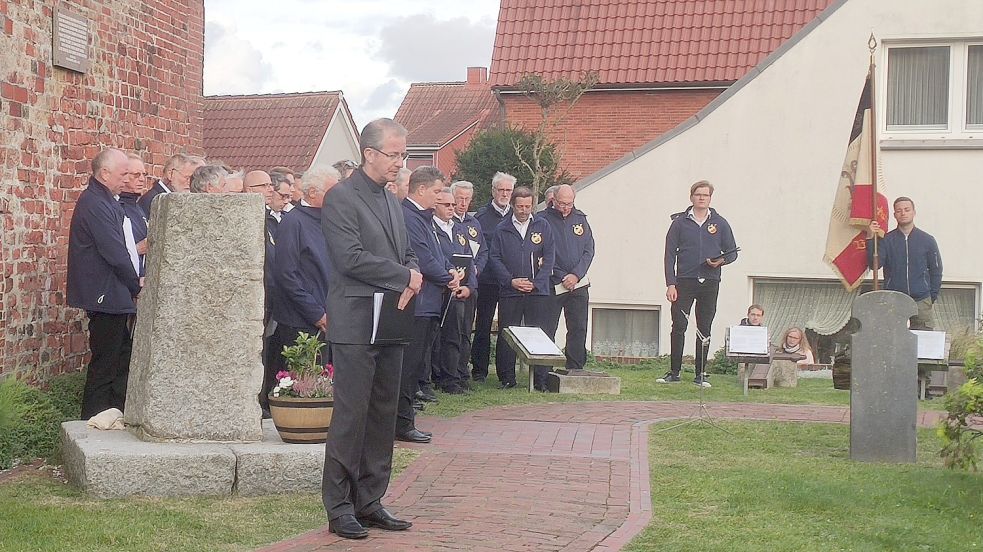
[70,40]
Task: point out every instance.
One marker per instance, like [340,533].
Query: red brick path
[558,477]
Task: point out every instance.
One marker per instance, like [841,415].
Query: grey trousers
[359,451]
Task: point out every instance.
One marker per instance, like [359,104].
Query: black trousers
[690,290]
[448,369]
[470,305]
[359,451]
[109,367]
[481,345]
[525,310]
[416,362]
[574,305]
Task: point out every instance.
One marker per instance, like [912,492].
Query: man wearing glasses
[574,253]
[176,178]
[698,243]
[369,252]
[489,217]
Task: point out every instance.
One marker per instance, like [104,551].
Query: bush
[720,364]
[65,392]
[33,424]
[960,448]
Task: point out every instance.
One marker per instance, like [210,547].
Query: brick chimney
[477,77]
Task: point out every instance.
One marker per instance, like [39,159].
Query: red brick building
[659,63]
[142,92]
[441,118]
[298,130]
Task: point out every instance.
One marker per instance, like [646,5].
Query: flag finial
[872,43]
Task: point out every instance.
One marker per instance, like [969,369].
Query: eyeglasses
[285,196]
[562,203]
[446,204]
[397,156]
[263,185]
[138,174]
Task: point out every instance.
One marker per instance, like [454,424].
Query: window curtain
[825,307]
[918,87]
[625,333]
[974,87]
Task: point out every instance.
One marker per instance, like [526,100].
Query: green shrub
[65,392]
[33,424]
[960,448]
[720,364]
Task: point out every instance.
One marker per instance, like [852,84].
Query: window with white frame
[934,91]
[625,332]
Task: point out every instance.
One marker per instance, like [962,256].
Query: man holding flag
[911,260]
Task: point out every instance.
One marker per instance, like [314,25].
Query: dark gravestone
[884,390]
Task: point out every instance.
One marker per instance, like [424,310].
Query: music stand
[702,414]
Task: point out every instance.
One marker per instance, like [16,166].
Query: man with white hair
[103,281]
[490,216]
[463,193]
[300,273]
[176,178]
[208,179]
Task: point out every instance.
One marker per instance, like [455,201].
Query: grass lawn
[780,486]
[638,384]
[41,513]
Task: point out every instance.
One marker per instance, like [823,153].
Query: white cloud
[234,65]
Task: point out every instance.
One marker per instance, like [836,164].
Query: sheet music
[558,289]
[535,341]
[748,340]
[376,311]
[931,345]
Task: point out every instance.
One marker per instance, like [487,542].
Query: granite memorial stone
[883,392]
[196,366]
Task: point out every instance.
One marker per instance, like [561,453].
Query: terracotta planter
[302,420]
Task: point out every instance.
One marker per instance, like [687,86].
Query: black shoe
[479,379]
[381,519]
[427,433]
[347,527]
[453,390]
[417,405]
[413,436]
[426,397]
[507,385]
[668,378]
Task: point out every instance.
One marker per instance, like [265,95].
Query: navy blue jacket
[269,243]
[515,257]
[574,243]
[489,220]
[138,220]
[100,275]
[148,197]
[475,233]
[689,245]
[912,264]
[433,265]
[458,245]
[300,273]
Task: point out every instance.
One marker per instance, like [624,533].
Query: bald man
[574,254]
[103,281]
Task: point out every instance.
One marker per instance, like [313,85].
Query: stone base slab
[115,464]
[583,382]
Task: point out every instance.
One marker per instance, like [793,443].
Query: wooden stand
[527,359]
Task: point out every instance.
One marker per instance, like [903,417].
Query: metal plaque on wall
[70,40]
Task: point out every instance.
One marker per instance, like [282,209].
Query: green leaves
[302,356]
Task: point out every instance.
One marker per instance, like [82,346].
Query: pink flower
[328,371]
[282,374]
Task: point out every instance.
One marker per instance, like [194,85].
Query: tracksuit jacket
[574,243]
[513,256]
[912,264]
[689,245]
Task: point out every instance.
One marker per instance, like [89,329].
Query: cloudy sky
[369,49]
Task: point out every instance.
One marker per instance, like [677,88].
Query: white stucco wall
[774,152]
[339,142]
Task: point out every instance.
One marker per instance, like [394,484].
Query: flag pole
[872,44]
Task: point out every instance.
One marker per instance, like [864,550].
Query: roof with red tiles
[633,42]
[435,113]
[268,130]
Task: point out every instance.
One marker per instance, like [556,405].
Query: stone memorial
[192,411]
[883,392]
[196,367]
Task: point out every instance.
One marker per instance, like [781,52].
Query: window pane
[918,87]
[974,89]
[625,333]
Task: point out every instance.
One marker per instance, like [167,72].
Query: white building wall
[774,152]
[339,142]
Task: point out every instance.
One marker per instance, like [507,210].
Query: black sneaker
[668,378]
[702,382]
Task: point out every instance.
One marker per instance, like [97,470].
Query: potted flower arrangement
[301,403]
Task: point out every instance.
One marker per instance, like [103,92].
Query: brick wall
[143,92]
[604,126]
